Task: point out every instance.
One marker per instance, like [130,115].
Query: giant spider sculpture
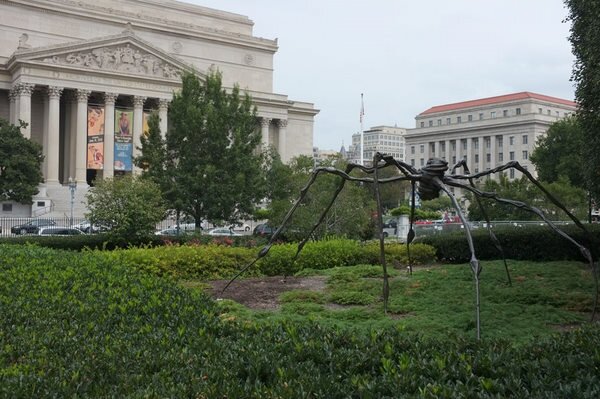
[431,180]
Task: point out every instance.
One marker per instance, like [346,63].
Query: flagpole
[362,130]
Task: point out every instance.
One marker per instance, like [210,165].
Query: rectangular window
[412,149]
[439,122]
[540,110]
[518,111]
[412,162]
[448,121]
[464,144]
[511,173]
[422,162]
[476,144]
[487,142]
[511,155]
[432,148]
[470,118]
[511,140]
[458,119]
[524,139]
[525,155]
[422,148]
[41,204]
[453,145]
[493,114]
[6,207]
[488,157]
[500,157]
[481,116]
[443,146]
[454,159]
[549,112]
[505,113]
[476,158]
[430,123]
[499,140]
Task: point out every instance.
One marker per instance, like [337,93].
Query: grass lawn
[439,300]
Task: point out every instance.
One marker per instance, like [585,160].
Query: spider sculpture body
[429,182]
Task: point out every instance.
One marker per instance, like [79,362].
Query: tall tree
[559,153]
[212,169]
[20,164]
[584,16]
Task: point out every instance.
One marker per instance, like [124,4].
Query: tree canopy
[584,16]
[20,164]
[559,153]
[208,165]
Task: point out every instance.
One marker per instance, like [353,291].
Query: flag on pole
[362,108]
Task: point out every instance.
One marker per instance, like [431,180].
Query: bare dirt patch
[263,293]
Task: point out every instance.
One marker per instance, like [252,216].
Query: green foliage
[522,190]
[130,207]
[94,328]
[350,214]
[585,34]
[536,243]
[420,214]
[20,164]
[558,153]
[212,170]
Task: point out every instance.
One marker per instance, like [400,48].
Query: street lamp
[72,188]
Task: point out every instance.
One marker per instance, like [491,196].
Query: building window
[524,139]
[453,145]
[505,113]
[448,121]
[557,114]
[525,155]
[476,143]
[493,114]
[6,207]
[412,149]
[511,155]
[430,123]
[518,111]
[476,158]
[432,148]
[476,170]
[458,119]
[511,140]
[422,162]
[481,116]
[439,122]
[511,173]
[540,110]
[500,157]
[470,118]
[487,142]
[488,157]
[464,144]
[454,159]
[549,112]
[412,162]
[443,146]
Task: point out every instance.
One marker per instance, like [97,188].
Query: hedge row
[218,261]
[81,325]
[537,243]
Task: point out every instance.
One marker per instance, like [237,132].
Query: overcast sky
[407,56]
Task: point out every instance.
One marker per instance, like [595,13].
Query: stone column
[138,121]
[448,152]
[24,107]
[493,152]
[109,134]
[436,149]
[72,132]
[264,130]
[46,112]
[469,154]
[426,154]
[163,111]
[482,152]
[12,105]
[459,151]
[52,134]
[282,125]
[81,137]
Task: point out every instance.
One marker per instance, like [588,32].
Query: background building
[487,132]
[83,75]
[385,139]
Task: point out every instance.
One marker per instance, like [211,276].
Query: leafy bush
[537,243]
[83,325]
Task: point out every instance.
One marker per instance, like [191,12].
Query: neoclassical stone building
[84,74]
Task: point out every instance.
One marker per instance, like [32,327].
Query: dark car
[264,230]
[60,231]
[32,227]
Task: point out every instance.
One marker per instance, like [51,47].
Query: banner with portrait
[123,140]
[145,127]
[95,137]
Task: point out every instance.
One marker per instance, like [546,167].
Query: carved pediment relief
[122,58]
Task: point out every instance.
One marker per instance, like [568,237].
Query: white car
[60,231]
[223,232]
[240,227]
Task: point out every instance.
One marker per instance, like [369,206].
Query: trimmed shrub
[538,243]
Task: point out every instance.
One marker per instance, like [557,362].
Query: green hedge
[219,261]
[523,243]
[83,325]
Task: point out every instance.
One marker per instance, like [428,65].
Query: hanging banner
[123,139]
[95,137]
[145,127]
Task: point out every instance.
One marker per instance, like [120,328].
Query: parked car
[32,227]
[263,230]
[172,232]
[240,226]
[59,231]
[88,228]
[223,232]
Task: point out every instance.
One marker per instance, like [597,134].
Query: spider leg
[462,163]
[475,266]
[584,251]
[411,231]
[386,285]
